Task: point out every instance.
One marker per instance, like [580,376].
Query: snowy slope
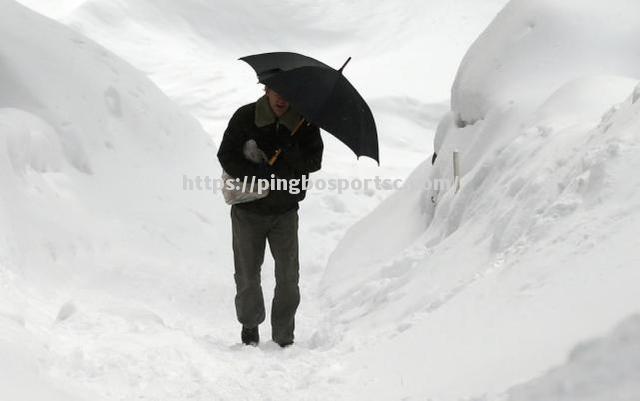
[93,217]
[534,47]
[86,138]
[537,251]
[598,370]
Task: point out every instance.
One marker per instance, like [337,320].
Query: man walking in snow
[274,218]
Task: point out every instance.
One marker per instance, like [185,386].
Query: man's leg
[283,242]
[249,237]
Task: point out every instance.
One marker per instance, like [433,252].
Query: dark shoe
[250,336]
[285,344]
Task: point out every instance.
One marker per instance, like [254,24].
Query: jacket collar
[265,116]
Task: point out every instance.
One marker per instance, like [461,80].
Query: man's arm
[231,156]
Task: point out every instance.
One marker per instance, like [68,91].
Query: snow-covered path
[185,348]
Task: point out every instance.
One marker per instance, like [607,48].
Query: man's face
[279,106]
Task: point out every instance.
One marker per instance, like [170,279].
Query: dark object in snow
[285,344]
[250,336]
[322,95]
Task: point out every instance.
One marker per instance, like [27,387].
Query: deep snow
[92,207]
[599,369]
[116,283]
[536,252]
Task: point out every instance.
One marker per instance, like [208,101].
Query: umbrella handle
[275,156]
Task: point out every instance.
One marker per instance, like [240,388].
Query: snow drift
[90,147]
[598,370]
[92,158]
[536,251]
[534,47]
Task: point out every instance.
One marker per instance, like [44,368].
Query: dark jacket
[302,153]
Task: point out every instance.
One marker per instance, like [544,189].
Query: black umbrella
[322,95]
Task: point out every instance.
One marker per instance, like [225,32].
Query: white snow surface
[116,283]
[537,250]
[534,47]
[601,369]
[96,231]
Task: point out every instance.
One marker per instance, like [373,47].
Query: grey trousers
[250,233]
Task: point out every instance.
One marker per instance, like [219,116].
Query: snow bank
[534,47]
[92,158]
[86,135]
[599,370]
[89,145]
[537,250]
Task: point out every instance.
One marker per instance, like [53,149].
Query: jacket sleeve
[305,155]
[231,156]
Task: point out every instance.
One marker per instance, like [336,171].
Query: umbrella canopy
[322,95]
